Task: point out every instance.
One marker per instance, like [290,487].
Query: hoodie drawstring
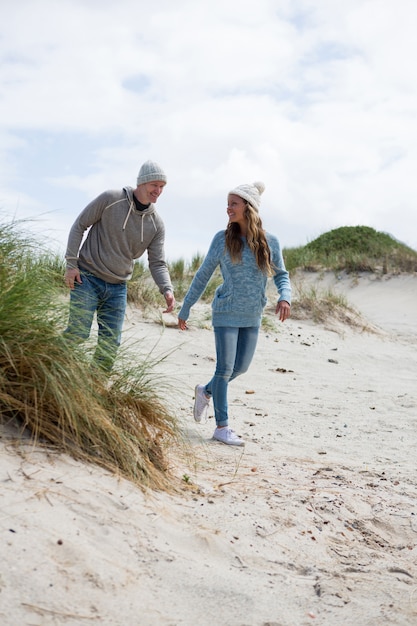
[127,217]
[143,217]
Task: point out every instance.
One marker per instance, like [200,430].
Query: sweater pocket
[222,302]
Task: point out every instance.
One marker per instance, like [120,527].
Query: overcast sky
[316,98]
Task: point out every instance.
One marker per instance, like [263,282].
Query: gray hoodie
[118,234]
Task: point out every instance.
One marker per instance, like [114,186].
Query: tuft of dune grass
[326,307]
[50,387]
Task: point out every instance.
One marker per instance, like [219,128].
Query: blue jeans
[235,348]
[94,295]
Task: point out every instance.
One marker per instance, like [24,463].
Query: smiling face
[236,211]
[149,192]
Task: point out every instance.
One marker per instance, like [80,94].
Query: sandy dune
[313,522]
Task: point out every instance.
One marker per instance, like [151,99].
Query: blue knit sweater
[241,298]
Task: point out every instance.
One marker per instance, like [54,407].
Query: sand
[314,521]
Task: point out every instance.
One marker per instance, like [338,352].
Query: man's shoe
[228,436]
[201,404]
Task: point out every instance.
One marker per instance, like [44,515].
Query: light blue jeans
[235,348]
[108,301]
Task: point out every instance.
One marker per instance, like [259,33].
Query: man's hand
[72,276]
[170,300]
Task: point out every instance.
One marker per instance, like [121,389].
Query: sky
[316,98]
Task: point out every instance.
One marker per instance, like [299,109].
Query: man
[121,225]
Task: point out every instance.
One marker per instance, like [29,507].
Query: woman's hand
[182,324]
[283,310]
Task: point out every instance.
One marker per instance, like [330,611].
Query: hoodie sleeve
[281,276]
[89,216]
[157,263]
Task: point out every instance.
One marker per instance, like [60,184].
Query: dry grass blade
[50,388]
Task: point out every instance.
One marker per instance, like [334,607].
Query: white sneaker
[227,435]
[201,404]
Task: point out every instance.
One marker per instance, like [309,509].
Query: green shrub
[353,249]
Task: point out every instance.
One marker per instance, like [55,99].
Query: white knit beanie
[151,171]
[250,193]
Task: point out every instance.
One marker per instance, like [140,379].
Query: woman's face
[236,210]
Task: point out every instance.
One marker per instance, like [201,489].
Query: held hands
[72,276]
[170,300]
[283,310]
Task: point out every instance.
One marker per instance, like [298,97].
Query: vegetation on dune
[143,293]
[324,306]
[120,423]
[353,249]
[349,248]
[50,388]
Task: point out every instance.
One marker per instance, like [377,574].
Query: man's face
[149,192]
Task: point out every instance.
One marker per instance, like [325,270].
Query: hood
[145,213]
[129,194]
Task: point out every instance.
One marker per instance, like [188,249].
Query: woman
[247,256]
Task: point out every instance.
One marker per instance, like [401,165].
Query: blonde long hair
[256,238]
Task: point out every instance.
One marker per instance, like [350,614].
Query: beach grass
[143,293]
[324,306]
[353,249]
[50,389]
[121,422]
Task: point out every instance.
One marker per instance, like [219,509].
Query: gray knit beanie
[250,193]
[151,171]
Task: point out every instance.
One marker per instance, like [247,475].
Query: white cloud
[315,97]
